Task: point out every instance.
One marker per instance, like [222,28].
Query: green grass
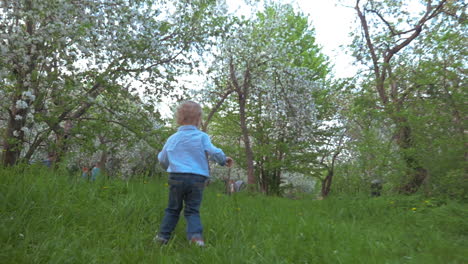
[52,218]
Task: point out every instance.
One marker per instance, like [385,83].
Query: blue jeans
[184,188]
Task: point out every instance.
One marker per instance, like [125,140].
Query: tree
[119,129]
[57,57]
[272,65]
[387,29]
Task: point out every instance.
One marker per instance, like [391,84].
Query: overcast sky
[332,26]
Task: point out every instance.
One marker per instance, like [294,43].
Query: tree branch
[394,33]
[216,107]
[375,61]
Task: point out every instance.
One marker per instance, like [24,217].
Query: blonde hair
[189,113]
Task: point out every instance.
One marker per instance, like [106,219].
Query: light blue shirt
[95,172]
[186,152]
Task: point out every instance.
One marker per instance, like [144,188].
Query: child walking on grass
[185,156]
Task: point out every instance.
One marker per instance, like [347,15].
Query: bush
[454,185]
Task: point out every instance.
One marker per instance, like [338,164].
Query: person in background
[231,186]
[49,161]
[96,171]
[85,174]
[376,187]
[185,156]
[238,185]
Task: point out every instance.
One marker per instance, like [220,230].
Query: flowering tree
[58,57]
[114,132]
[272,66]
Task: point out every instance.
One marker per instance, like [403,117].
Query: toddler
[185,156]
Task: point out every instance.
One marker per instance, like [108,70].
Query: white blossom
[25,130]
[29,95]
[18,117]
[20,104]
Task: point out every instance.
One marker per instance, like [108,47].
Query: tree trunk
[277,181]
[262,178]
[242,92]
[11,146]
[63,134]
[13,142]
[103,161]
[277,171]
[246,139]
[416,174]
[326,183]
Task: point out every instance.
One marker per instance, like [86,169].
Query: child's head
[189,113]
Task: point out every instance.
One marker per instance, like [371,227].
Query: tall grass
[51,217]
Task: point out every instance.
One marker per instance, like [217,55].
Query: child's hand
[229,162]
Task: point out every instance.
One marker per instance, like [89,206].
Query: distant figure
[96,171]
[376,188]
[238,185]
[49,160]
[185,156]
[85,174]
[231,187]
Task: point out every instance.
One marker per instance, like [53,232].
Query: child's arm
[215,153]
[162,157]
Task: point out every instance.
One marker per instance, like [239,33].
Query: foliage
[273,66]
[405,111]
[63,62]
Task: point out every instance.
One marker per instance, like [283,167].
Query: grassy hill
[50,217]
